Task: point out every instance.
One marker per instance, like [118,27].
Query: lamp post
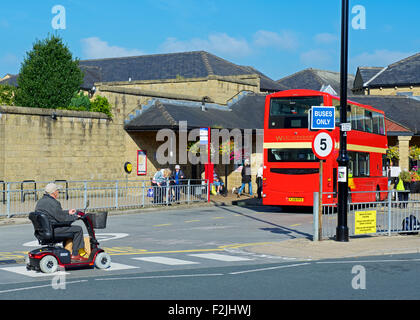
[342,231]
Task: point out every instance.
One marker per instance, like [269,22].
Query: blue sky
[276,37]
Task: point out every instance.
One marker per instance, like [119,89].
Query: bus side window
[382,124]
[336,104]
[363,164]
[354,118]
[368,121]
[349,117]
[360,113]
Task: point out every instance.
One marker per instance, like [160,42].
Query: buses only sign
[322,118]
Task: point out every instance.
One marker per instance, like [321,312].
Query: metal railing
[20,197]
[387,214]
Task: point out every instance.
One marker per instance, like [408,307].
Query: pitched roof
[402,114]
[166,113]
[195,64]
[367,73]
[401,73]
[314,79]
[11,80]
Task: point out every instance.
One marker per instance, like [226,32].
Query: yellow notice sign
[365,222]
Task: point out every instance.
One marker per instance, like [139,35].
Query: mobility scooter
[50,257]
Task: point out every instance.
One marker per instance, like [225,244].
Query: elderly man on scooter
[49,205]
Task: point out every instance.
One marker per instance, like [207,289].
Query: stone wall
[46,144]
[219,89]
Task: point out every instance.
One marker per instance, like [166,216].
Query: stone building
[382,84]
[399,78]
[132,85]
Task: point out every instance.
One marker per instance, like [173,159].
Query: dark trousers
[77,231]
[158,192]
[259,185]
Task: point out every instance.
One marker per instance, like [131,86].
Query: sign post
[205,139]
[342,231]
[322,146]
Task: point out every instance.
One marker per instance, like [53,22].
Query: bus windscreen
[291,112]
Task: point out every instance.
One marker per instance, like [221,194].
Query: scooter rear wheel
[103,260]
[48,264]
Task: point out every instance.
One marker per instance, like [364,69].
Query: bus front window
[291,112]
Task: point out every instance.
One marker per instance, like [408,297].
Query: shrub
[405,176]
[101,104]
[80,102]
[7,94]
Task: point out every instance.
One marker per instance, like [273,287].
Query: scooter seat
[45,229]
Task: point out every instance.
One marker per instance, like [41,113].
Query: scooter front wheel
[48,264]
[102,260]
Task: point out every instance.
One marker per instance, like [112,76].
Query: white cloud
[286,40]
[325,38]
[219,43]
[316,58]
[95,48]
[379,58]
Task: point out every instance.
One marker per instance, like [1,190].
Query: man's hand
[72,211]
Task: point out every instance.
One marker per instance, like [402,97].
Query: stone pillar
[403,145]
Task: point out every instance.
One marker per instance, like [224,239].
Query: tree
[49,76]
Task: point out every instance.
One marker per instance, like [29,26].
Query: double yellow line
[121,251]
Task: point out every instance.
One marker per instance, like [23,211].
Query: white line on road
[37,287]
[23,271]
[365,261]
[271,268]
[219,257]
[170,276]
[165,260]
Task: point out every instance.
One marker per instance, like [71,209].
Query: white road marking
[270,268]
[219,257]
[119,266]
[165,260]
[31,273]
[37,287]
[159,277]
[366,261]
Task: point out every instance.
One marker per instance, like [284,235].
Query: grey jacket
[52,208]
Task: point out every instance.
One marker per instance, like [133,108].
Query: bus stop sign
[322,118]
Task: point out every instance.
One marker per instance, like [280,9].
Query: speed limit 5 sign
[322,145]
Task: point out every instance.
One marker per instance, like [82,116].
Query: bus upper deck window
[368,121]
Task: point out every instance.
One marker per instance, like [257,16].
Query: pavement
[299,248]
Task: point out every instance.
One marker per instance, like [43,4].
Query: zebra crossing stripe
[219,257]
[165,260]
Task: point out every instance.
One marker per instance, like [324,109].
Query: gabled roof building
[399,78]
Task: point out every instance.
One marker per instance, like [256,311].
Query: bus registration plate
[295,199]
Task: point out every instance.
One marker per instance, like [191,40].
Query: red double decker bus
[291,169]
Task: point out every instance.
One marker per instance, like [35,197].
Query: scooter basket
[98,219]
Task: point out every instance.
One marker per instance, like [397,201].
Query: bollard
[316,235]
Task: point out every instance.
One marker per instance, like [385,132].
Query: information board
[364,222]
